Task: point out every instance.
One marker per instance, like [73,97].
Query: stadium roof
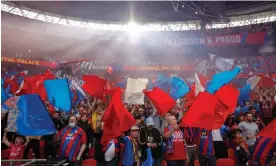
[150,11]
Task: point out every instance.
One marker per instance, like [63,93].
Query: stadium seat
[225,162]
[164,163]
[231,154]
[89,162]
[5,154]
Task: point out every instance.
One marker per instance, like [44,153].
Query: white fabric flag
[110,152]
[76,85]
[198,86]
[134,90]
[253,81]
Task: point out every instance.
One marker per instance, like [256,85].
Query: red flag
[207,111]
[116,119]
[35,84]
[229,96]
[269,131]
[190,97]
[94,85]
[204,104]
[162,101]
[265,81]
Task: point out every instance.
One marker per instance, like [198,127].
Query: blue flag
[59,94]
[162,82]
[149,161]
[150,85]
[76,93]
[33,119]
[4,95]
[178,88]
[245,93]
[221,79]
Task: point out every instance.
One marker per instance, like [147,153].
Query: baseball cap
[134,128]
[149,121]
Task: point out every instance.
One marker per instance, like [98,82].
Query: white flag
[253,81]
[198,86]
[134,90]
[110,152]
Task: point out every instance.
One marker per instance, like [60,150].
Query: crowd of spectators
[81,131]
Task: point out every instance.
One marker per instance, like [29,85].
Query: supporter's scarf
[170,142]
[94,119]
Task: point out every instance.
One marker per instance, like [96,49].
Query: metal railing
[25,162]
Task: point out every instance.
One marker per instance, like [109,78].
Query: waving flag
[178,88]
[33,119]
[15,80]
[229,96]
[269,131]
[77,94]
[4,96]
[253,81]
[94,85]
[221,79]
[58,94]
[245,93]
[149,160]
[133,93]
[198,85]
[116,119]
[163,82]
[162,101]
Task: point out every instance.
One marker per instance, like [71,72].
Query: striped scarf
[170,143]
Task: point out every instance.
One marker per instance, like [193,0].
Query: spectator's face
[18,141]
[141,111]
[238,134]
[84,118]
[249,117]
[72,121]
[56,115]
[150,127]
[135,133]
[253,112]
[172,120]
[258,121]
[241,118]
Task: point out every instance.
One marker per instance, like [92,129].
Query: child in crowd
[17,148]
[240,147]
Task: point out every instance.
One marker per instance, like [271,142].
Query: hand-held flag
[162,101]
[178,88]
[33,118]
[198,85]
[245,93]
[58,94]
[116,119]
[269,131]
[134,88]
[221,79]
[94,85]
[149,160]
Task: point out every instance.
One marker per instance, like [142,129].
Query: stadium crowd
[79,135]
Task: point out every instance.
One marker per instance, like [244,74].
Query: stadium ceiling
[193,15]
[150,11]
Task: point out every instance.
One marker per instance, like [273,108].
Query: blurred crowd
[79,135]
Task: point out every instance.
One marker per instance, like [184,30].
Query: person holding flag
[132,154]
[176,152]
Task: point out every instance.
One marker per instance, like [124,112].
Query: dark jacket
[58,125]
[87,129]
[150,136]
